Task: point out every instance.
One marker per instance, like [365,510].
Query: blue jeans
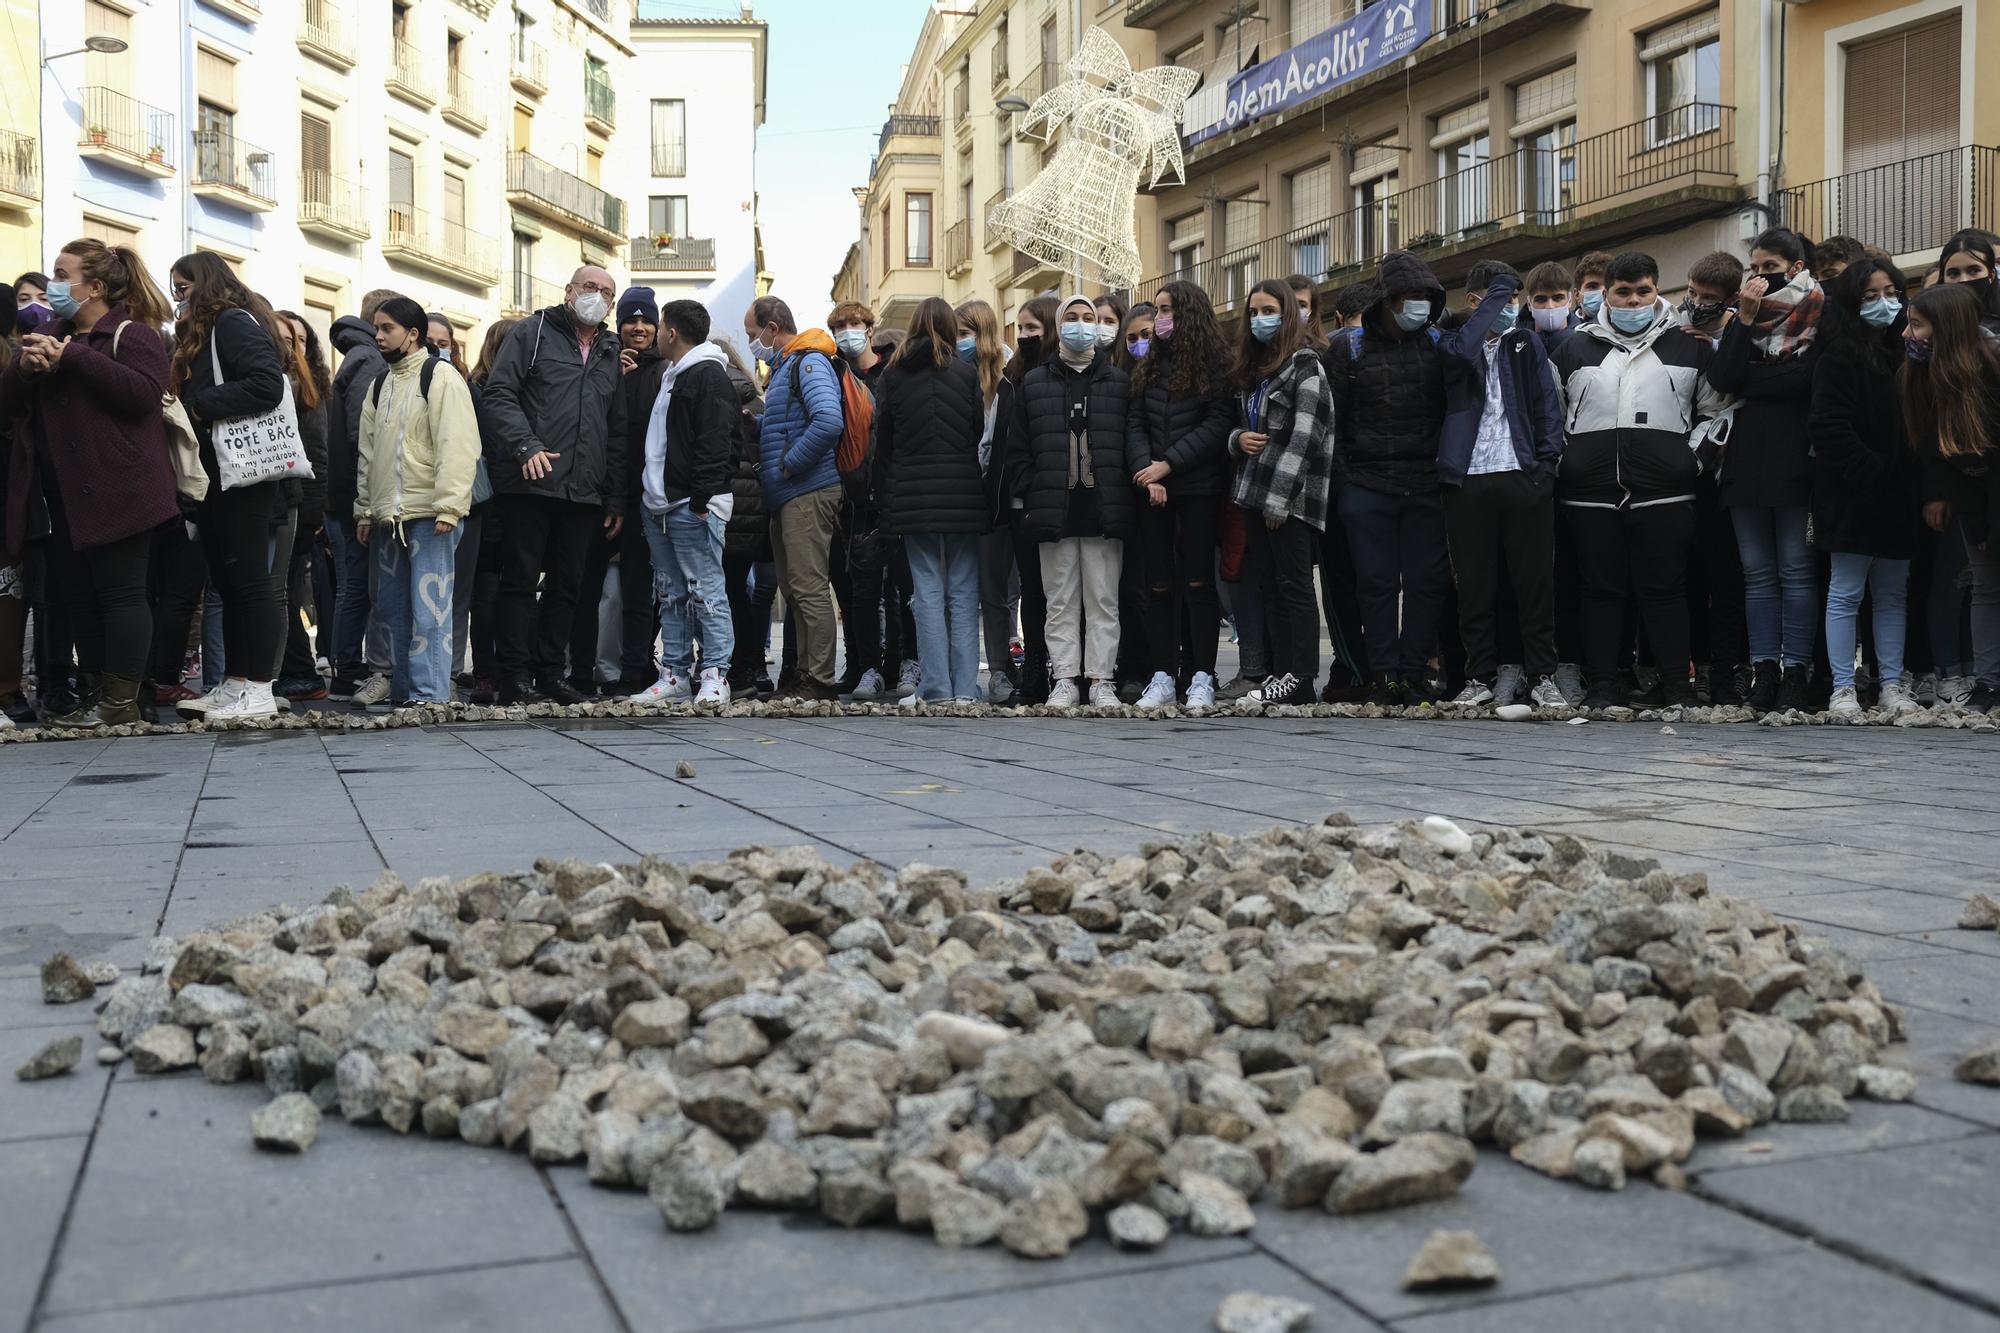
[689,588]
[357,648]
[1778,583]
[1888,585]
[944,598]
[414,575]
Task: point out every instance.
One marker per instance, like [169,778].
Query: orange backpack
[855,452]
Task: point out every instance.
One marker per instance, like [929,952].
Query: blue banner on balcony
[1384,33]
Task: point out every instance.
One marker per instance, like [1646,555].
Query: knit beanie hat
[639,303]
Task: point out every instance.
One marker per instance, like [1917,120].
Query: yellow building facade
[20,139]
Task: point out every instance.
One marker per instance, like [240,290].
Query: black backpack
[423,379]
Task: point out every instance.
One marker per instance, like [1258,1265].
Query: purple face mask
[1139,347]
[1917,349]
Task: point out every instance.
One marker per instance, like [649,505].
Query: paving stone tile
[1798,1292]
[1936,1043]
[363,1203]
[1928,1207]
[1884,911]
[755,1268]
[557,1295]
[1948,982]
[35,1180]
[113,929]
[1578,1236]
[1870,1127]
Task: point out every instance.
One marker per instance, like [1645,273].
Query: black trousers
[855,567]
[236,530]
[105,587]
[1495,522]
[179,578]
[1342,605]
[484,627]
[1717,633]
[1641,553]
[1034,605]
[1400,574]
[639,613]
[547,541]
[1180,538]
[1135,654]
[1284,562]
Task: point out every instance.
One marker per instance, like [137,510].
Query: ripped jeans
[414,570]
[689,587]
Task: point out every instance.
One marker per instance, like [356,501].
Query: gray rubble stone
[58,1056]
[1251,1312]
[285,1124]
[1134,1226]
[162,1048]
[1451,1261]
[64,981]
[1411,1170]
[687,1189]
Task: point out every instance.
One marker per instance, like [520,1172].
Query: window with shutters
[1242,227]
[1310,18]
[402,191]
[1900,96]
[107,69]
[1545,134]
[1464,148]
[1187,244]
[667,213]
[1308,214]
[111,233]
[1188,57]
[917,230]
[524,128]
[669,130]
[1237,39]
[1683,67]
[215,94]
[315,145]
[524,271]
[1377,181]
[454,208]
[593,165]
[882,237]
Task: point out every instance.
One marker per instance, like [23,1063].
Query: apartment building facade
[470,153]
[951,150]
[21,55]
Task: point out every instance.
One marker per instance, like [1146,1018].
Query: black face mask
[1029,345]
[1701,314]
[395,355]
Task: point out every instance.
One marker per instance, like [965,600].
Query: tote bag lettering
[261,447]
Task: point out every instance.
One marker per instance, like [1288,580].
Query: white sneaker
[912,677]
[1475,693]
[1201,693]
[215,698]
[1159,693]
[714,687]
[912,701]
[871,685]
[1897,700]
[1569,679]
[6,723]
[668,689]
[1954,691]
[1547,694]
[1925,688]
[252,699]
[1844,703]
[1104,694]
[372,691]
[1063,694]
[999,689]
[1510,684]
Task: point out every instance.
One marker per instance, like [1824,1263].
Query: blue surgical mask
[1265,327]
[61,301]
[1590,301]
[851,342]
[967,348]
[1881,311]
[1413,316]
[767,355]
[1079,337]
[1140,347]
[1633,319]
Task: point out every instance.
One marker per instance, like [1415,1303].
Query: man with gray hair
[554,400]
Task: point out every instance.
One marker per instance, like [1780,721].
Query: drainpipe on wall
[1767,13]
[187,124]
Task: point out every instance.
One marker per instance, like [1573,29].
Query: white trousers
[1080,578]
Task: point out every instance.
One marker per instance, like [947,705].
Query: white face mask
[762,352]
[589,308]
[1105,333]
[851,342]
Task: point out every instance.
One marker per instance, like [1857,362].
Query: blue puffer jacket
[798,458]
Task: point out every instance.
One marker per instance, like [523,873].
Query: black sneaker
[1387,692]
[516,690]
[1603,691]
[1648,696]
[1724,689]
[763,685]
[1764,686]
[559,691]
[1280,691]
[1419,692]
[17,707]
[1794,690]
[1680,695]
[1343,690]
[1984,699]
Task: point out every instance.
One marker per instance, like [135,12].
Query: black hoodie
[361,361]
[1388,389]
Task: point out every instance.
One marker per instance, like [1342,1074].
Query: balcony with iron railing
[600,100]
[1049,75]
[691,254]
[599,9]
[896,127]
[440,246]
[462,106]
[20,170]
[991,237]
[1910,207]
[330,207]
[999,72]
[528,65]
[1147,13]
[326,33]
[408,78]
[1531,204]
[546,189]
[234,172]
[125,132]
[958,247]
[244,11]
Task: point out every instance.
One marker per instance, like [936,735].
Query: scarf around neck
[1788,318]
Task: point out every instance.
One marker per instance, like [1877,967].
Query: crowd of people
[1561,490]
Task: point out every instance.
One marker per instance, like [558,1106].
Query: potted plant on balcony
[99,136]
[156,153]
[663,244]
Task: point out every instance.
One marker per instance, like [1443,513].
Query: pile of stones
[1325,1016]
[432,715]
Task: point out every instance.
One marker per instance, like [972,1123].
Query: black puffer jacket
[1189,434]
[749,533]
[1865,477]
[545,392]
[1769,460]
[312,494]
[1388,390]
[361,364]
[928,420]
[1038,446]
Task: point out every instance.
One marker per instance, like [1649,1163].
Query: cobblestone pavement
[139,1203]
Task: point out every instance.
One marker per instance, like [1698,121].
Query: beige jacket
[416,457]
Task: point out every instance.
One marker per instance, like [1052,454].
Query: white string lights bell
[1123,123]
